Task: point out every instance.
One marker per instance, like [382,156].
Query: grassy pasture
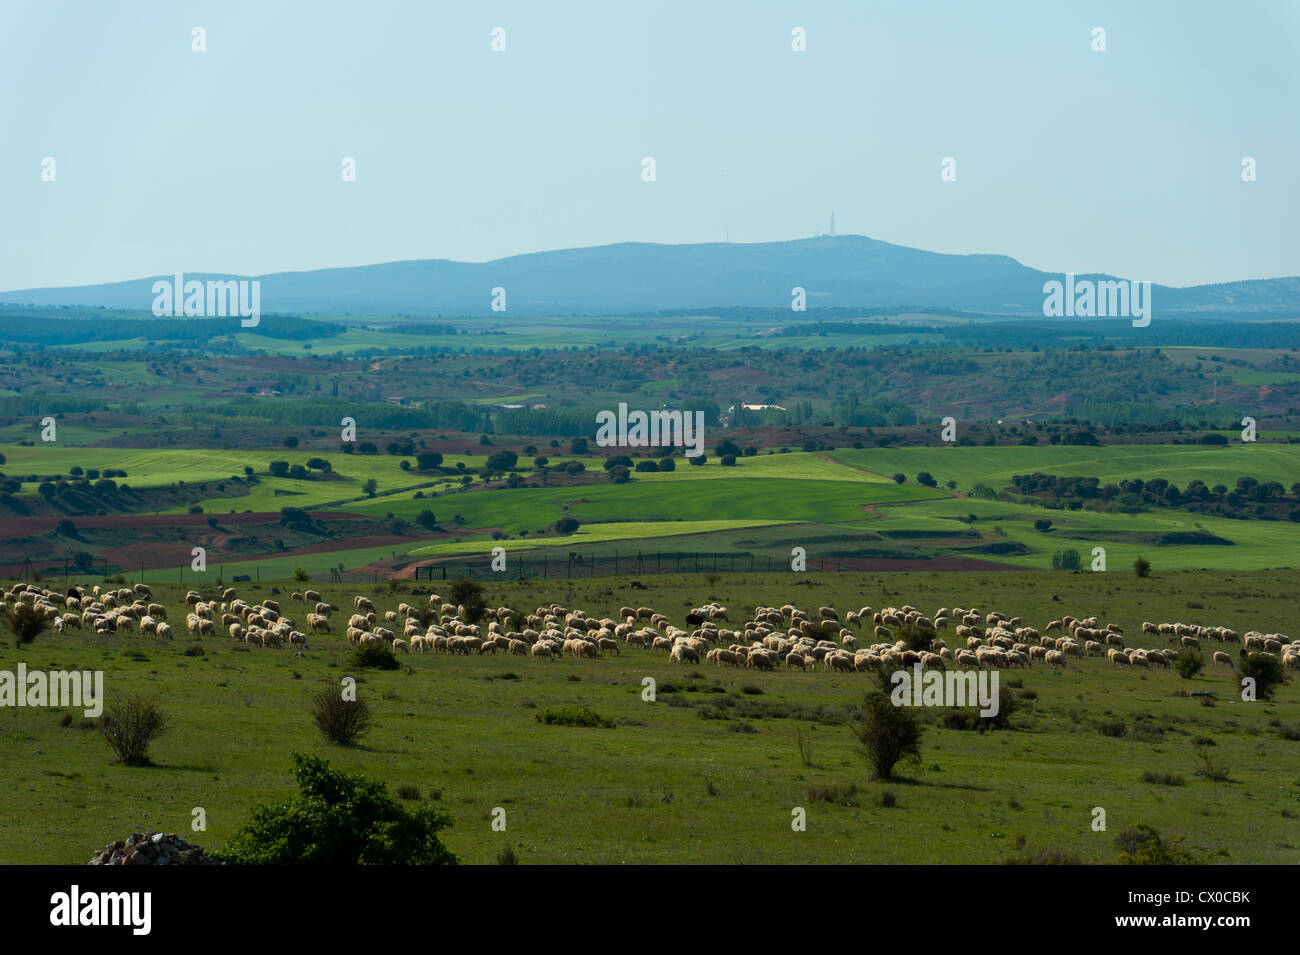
[711,770]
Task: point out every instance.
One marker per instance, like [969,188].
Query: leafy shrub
[1143,845]
[339,819]
[1162,779]
[1266,671]
[1211,769]
[342,722]
[375,657]
[1189,663]
[888,734]
[469,594]
[1142,567]
[574,716]
[26,623]
[130,724]
[1112,728]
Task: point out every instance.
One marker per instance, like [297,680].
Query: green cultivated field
[849,489]
[710,772]
[739,498]
[1177,464]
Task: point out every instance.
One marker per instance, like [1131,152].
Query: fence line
[574,565]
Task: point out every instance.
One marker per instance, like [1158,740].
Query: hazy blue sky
[1127,161]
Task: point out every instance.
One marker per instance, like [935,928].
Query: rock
[153,848]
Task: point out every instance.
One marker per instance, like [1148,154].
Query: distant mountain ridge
[836,271]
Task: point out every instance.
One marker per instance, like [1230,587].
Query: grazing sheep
[164,630]
[1221,657]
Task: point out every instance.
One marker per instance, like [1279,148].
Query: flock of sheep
[773,636]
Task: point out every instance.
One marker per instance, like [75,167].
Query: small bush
[507,857]
[1112,728]
[1143,845]
[1142,567]
[342,722]
[837,794]
[750,689]
[469,594]
[1266,671]
[1162,779]
[130,725]
[888,734]
[887,799]
[574,716]
[1211,769]
[25,623]
[407,791]
[1189,663]
[375,657]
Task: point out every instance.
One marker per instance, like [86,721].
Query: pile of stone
[153,848]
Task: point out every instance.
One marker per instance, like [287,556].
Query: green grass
[640,792]
[156,467]
[730,498]
[590,534]
[1177,464]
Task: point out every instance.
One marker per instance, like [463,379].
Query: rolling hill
[631,277]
